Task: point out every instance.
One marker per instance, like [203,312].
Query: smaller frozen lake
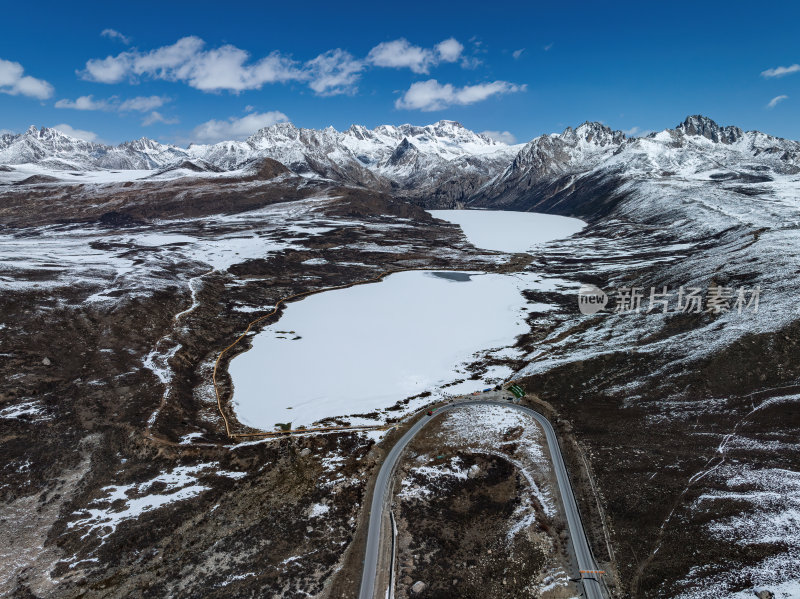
[507,231]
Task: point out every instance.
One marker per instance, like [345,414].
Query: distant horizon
[110,74]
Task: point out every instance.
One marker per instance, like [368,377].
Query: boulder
[418,587]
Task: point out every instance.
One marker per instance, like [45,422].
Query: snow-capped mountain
[442,164]
[53,149]
[550,156]
[407,159]
[410,160]
[582,167]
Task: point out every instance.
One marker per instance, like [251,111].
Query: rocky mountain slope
[688,416]
[564,173]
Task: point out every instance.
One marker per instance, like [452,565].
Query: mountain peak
[143,143]
[50,134]
[593,126]
[593,132]
[359,131]
[405,153]
[445,124]
[284,129]
[703,126]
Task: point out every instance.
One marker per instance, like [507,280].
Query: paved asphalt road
[380,500]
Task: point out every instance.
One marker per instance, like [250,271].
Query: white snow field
[367,347]
[507,231]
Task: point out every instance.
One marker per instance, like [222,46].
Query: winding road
[381,498]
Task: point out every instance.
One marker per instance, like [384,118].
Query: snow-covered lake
[507,231]
[367,347]
[360,350]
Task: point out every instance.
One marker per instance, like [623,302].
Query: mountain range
[442,164]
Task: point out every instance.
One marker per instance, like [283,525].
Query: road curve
[592,588]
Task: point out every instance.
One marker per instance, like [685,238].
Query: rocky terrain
[126,269]
[477,511]
[119,479]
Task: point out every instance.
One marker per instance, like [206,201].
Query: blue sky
[181,72]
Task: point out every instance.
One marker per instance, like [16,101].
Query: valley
[122,283]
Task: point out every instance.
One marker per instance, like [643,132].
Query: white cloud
[156,117]
[400,54]
[214,130]
[781,71]
[170,62]
[111,69]
[547,47]
[77,133]
[232,69]
[142,103]
[14,82]
[115,35]
[84,103]
[517,53]
[137,104]
[224,68]
[449,50]
[334,72]
[431,95]
[505,137]
[776,100]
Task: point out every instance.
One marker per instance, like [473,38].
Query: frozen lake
[507,231]
[365,348]
[357,351]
